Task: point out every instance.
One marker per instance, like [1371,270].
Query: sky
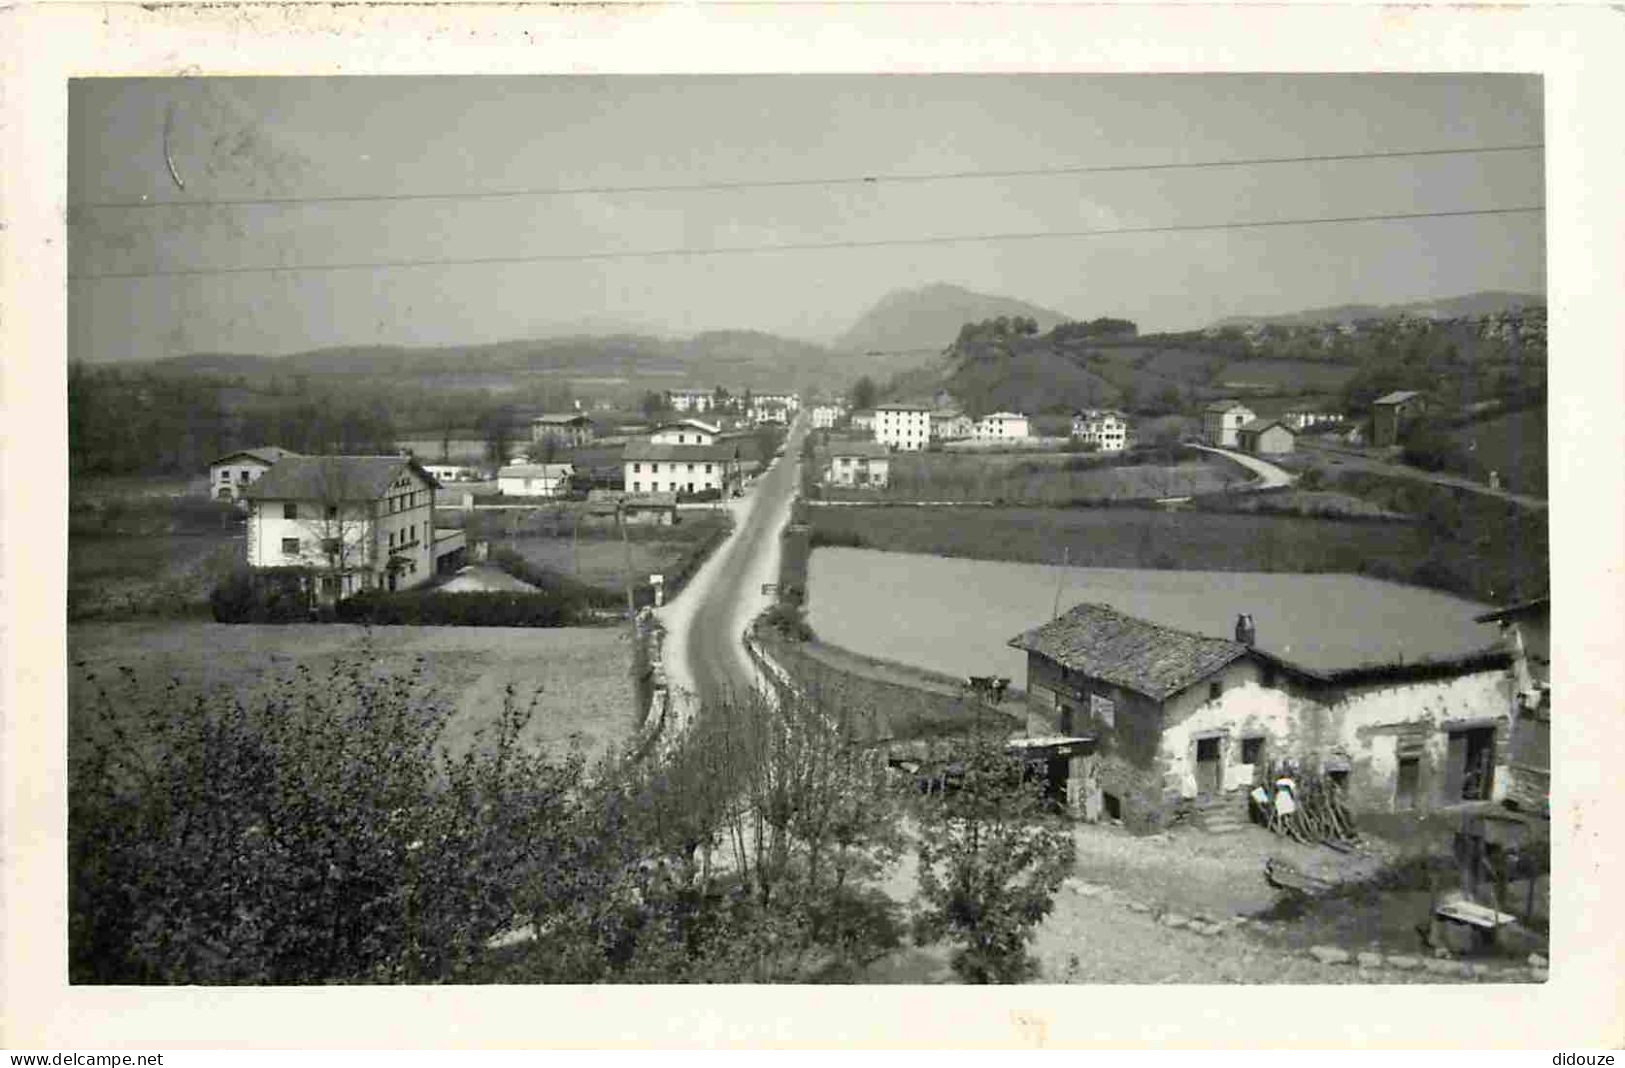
[458,210]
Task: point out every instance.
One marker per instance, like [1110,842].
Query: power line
[798,246]
[788,183]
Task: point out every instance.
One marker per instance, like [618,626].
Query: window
[1252,750]
[691,469]
[708,469]
[290,546]
[392,539]
[290,511]
[1214,689]
[1103,709]
[331,546]
[332,511]
[225,475]
[637,468]
[637,487]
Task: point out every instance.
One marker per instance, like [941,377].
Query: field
[581,677]
[1513,445]
[1131,537]
[955,616]
[1040,478]
[545,537]
[135,549]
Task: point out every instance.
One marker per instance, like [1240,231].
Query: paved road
[1269,475]
[705,659]
[1350,461]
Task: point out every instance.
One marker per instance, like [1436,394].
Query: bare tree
[341,524]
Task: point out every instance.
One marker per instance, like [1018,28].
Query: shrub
[315,835]
[483,609]
[272,596]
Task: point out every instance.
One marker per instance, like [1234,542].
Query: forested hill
[1471,306]
[927,320]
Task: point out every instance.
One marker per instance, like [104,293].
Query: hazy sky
[296,139]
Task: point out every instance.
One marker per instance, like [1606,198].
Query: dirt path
[1269,476]
[1354,461]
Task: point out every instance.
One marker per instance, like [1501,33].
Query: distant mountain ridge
[928,319]
[1470,306]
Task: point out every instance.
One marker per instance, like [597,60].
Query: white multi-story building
[1002,426]
[354,522]
[826,415]
[233,473]
[906,427]
[691,400]
[652,467]
[1106,429]
[1222,422]
[685,432]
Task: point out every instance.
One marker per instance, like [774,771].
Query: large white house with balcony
[1105,429]
[354,522]
[905,427]
[685,432]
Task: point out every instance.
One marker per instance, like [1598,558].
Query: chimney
[1246,633]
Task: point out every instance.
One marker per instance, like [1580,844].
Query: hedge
[483,609]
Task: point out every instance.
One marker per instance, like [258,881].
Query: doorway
[1470,765]
[1209,769]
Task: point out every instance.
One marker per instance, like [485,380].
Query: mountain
[928,319]
[1471,306]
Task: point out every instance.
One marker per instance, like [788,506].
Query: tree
[340,526]
[496,426]
[863,394]
[653,405]
[989,865]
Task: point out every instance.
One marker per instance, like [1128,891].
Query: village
[613,619]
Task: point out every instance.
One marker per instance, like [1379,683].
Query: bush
[483,609]
[315,835]
[273,596]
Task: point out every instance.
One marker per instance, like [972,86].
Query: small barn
[1391,412]
[1266,437]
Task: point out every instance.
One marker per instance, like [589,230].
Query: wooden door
[1209,770]
[1455,767]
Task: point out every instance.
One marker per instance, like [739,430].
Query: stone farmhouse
[1165,722]
[1390,414]
[352,522]
[230,475]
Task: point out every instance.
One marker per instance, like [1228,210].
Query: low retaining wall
[880,711]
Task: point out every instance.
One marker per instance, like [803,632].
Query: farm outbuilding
[1266,437]
[1185,722]
[1391,412]
[1223,420]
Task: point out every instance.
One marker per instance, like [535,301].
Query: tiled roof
[570,419]
[1224,406]
[268,453]
[332,478]
[648,450]
[858,448]
[1098,641]
[1538,606]
[1398,396]
[902,408]
[1259,425]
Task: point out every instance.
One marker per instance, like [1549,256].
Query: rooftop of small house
[563,419]
[868,448]
[1257,426]
[1331,626]
[1223,406]
[1399,396]
[265,453]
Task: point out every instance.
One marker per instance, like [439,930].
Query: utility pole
[620,521]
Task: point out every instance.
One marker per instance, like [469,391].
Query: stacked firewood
[1307,807]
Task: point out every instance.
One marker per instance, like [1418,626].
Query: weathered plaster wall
[1367,726]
